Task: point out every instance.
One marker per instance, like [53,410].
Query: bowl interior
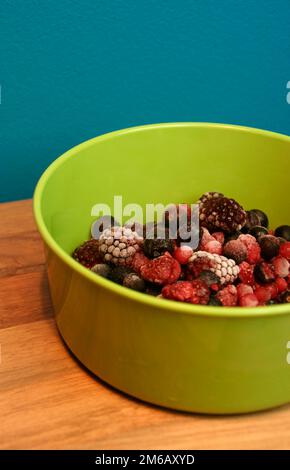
[163,164]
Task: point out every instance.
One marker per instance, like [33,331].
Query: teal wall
[71,70]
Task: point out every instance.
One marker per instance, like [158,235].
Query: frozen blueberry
[258,231]
[283,231]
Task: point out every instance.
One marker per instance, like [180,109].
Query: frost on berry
[162,270]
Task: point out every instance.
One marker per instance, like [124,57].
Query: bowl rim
[169,305]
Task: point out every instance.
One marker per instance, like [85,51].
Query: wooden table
[49,401]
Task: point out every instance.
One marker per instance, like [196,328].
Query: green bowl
[188,357]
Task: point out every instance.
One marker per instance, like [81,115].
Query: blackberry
[87,254]
[222,213]
[119,273]
[207,196]
[157,246]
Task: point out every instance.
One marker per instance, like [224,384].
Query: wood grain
[49,401]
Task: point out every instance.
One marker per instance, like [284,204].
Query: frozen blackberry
[270,246]
[222,213]
[118,245]
[207,196]
[102,269]
[283,231]
[119,273]
[101,224]
[258,231]
[87,254]
[133,281]
[157,247]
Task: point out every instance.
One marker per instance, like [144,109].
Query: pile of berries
[238,261]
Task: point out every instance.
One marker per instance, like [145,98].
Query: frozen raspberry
[219,236]
[222,213]
[264,273]
[253,248]
[246,274]
[205,238]
[285,250]
[281,266]
[201,292]
[243,289]
[138,261]
[235,250]
[263,294]
[88,253]
[281,284]
[154,247]
[214,247]
[181,291]
[228,296]
[162,270]
[248,300]
[182,254]
[226,269]
[269,246]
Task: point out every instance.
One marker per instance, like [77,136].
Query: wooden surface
[48,401]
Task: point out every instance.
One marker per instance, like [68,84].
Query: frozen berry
[207,196]
[248,300]
[252,219]
[210,278]
[246,274]
[88,253]
[258,231]
[133,281]
[263,218]
[153,289]
[264,273]
[182,254]
[201,292]
[281,284]
[118,273]
[222,213]
[281,266]
[139,260]
[235,250]
[252,246]
[102,269]
[226,269]
[219,236]
[228,296]
[214,247]
[154,247]
[284,250]
[181,291]
[269,246]
[243,289]
[263,294]
[118,245]
[285,298]
[283,231]
[232,236]
[101,224]
[205,238]
[162,270]
[214,301]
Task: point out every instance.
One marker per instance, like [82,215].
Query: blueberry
[252,219]
[119,273]
[133,281]
[258,231]
[263,219]
[283,231]
[270,246]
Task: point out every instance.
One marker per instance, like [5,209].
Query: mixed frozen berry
[238,261]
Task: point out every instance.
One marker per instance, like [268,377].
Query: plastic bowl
[196,358]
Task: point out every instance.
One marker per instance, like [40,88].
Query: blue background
[71,70]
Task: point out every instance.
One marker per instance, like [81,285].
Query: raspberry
[269,246]
[248,300]
[253,248]
[206,237]
[201,292]
[154,247]
[280,266]
[246,274]
[182,254]
[214,247]
[244,289]
[285,250]
[162,270]
[228,296]
[281,284]
[219,236]
[181,291]
[138,261]
[264,273]
[235,250]
[263,294]
[88,253]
